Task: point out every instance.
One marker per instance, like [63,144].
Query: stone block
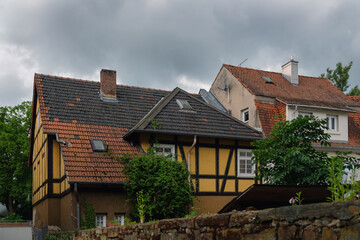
[221,220]
[269,234]
[328,234]
[350,232]
[232,233]
[310,233]
[285,233]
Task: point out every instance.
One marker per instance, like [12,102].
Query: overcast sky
[171,43]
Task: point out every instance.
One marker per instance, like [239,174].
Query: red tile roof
[73,109]
[269,114]
[312,91]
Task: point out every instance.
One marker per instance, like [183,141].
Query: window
[332,122]
[184,104]
[101,220]
[38,120]
[164,149]
[97,145]
[245,115]
[304,114]
[120,218]
[245,167]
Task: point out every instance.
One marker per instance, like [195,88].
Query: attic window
[97,145]
[184,104]
[268,80]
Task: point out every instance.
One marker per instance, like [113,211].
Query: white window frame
[243,112]
[100,220]
[163,146]
[304,114]
[247,160]
[120,218]
[332,126]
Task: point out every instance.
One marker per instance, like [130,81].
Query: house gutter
[77,204]
[189,152]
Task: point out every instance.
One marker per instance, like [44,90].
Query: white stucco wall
[342,125]
[236,99]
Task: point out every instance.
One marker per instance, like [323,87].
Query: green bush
[159,184]
[89,220]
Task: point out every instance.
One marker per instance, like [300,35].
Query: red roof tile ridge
[273,72]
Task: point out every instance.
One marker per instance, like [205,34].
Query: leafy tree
[355,91]
[287,157]
[15,174]
[339,76]
[161,182]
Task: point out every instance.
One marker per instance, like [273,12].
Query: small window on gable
[164,149]
[304,114]
[184,104]
[38,120]
[332,122]
[97,145]
[245,115]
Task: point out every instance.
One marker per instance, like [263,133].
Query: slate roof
[203,120]
[72,108]
[311,91]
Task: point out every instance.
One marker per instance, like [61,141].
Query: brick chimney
[290,71]
[108,83]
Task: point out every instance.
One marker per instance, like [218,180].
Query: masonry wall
[313,221]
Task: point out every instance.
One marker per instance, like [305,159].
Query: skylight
[184,104]
[97,145]
[268,80]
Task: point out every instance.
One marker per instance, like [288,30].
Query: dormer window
[97,145]
[332,122]
[184,105]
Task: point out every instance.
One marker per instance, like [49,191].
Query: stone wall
[313,221]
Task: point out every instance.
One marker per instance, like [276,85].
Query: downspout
[77,204]
[189,152]
[296,108]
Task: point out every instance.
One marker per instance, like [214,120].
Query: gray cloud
[164,44]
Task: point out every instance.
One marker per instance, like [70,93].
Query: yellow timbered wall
[213,162]
[39,160]
[49,178]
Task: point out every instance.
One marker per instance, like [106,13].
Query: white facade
[338,134]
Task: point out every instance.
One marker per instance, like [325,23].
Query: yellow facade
[212,162]
[46,183]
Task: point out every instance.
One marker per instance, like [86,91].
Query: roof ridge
[259,70]
[94,81]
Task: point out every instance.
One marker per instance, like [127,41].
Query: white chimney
[290,71]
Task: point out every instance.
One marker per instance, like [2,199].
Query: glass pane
[249,154]
[242,166]
[242,154]
[167,150]
[332,123]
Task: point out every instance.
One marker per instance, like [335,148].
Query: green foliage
[297,200]
[140,205]
[61,236]
[89,220]
[340,166]
[355,91]
[287,157]
[339,76]
[15,174]
[13,217]
[155,124]
[165,186]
